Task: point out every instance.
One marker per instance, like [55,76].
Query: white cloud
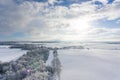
[52,2]
[39,21]
[103,1]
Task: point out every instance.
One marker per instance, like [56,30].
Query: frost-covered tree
[56,65]
[30,66]
[37,76]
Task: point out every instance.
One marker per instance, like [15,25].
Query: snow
[4,46]
[102,46]
[90,45]
[50,58]
[7,54]
[97,63]
[63,44]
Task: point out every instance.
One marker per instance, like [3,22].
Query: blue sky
[65,20]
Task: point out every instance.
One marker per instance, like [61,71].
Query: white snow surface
[50,58]
[93,64]
[7,54]
[62,44]
[89,45]
[100,62]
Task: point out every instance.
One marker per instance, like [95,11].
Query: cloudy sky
[63,20]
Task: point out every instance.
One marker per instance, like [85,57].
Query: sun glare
[78,30]
[79,25]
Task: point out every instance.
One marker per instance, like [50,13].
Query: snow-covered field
[100,62]
[7,54]
[97,61]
